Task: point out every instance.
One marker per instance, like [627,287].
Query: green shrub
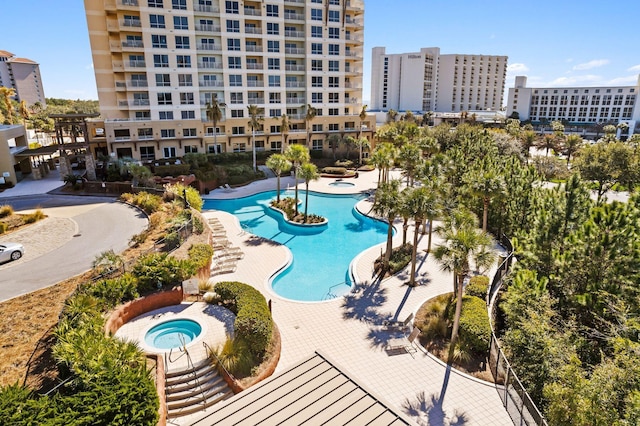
[198,225]
[400,257]
[172,241]
[148,202]
[475,330]
[340,171]
[172,170]
[236,357]
[113,292]
[344,163]
[253,323]
[5,211]
[34,217]
[478,286]
[200,255]
[160,268]
[177,190]
[3,227]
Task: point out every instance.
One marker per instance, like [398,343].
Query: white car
[10,251]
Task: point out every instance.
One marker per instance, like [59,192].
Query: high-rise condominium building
[160,63]
[427,81]
[582,106]
[22,75]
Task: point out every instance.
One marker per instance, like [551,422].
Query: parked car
[11,251]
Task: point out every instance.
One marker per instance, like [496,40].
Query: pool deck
[348,329]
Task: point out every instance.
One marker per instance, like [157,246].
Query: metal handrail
[329,294]
[217,360]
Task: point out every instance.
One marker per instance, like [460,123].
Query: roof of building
[314,391]
[5,54]
[23,61]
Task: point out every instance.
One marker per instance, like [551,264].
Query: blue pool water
[172,334]
[321,255]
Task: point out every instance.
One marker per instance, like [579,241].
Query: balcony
[294,16]
[131,23]
[210,65]
[211,83]
[294,34]
[133,44]
[294,51]
[294,1]
[295,84]
[205,8]
[135,64]
[121,85]
[129,2]
[254,101]
[252,48]
[140,102]
[295,100]
[210,28]
[255,83]
[249,11]
[255,66]
[209,47]
[138,83]
[252,30]
[294,67]
[355,38]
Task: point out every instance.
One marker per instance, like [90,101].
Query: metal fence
[514,396]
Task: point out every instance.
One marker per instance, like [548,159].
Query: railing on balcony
[252,48]
[295,100]
[131,23]
[255,100]
[208,28]
[208,46]
[255,83]
[211,83]
[295,84]
[136,64]
[210,65]
[294,67]
[138,83]
[129,2]
[140,102]
[294,1]
[252,12]
[294,50]
[133,43]
[255,65]
[292,33]
[205,8]
[294,16]
[252,30]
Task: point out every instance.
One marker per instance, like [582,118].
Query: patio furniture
[399,325]
[405,343]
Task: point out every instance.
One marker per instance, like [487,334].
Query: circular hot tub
[172,334]
[342,184]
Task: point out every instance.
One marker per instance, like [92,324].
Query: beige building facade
[22,75]
[159,63]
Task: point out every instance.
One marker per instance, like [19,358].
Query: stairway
[186,395]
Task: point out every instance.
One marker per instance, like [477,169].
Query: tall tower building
[22,75]
[159,63]
[428,81]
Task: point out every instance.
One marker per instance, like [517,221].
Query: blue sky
[554,43]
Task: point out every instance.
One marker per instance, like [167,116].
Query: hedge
[253,322]
[478,286]
[200,255]
[341,171]
[475,330]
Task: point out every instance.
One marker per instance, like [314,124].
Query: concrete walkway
[348,328]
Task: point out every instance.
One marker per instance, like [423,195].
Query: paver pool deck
[348,330]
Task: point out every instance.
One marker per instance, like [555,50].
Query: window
[235,80]
[274,81]
[164,98]
[188,115]
[180,23]
[190,149]
[273,28]
[184,61]
[168,133]
[235,98]
[275,112]
[316,32]
[334,65]
[139,80]
[334,32]
[334,98]
[317,127]
[166,115]
[207,44]
[334,49]
[334,16]
[233,44]
[333,111]
[190,133]
[276,145]
[208,62]
[317,81]
[274,98]
[273,46]
[159,41]
[162,80]
[161,61]
[179,4]
[316,14]
[136,60]
[233,26]
[155,3]
[316,48]
[234,62]
[185,80]
[316,97]
[273,63]
[156,21]
[147,153]
[169,151]
[316,144]
[182,42]
[122,134]
[186,98]
[237,113]
[316,65]
[237,130]
[140,99]
[145,133]
[143,115]
[334,81]
[231,7]
[272,10]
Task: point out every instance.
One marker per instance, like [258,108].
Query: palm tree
[309,115]
[419,203]
[254,122]
[384,158]
[298,155]
[410,157]
[349,142]
[285,126]
[334,140]
[363,116]
[528,140]
[7,93]
[462,240]
[571,145]
[308,172]
[548,142]
[485,183]
[362,143]
[279,164]
[214,113]
[386,205]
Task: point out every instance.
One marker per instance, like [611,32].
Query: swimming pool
[321,255]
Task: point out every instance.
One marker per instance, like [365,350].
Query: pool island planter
[325,221]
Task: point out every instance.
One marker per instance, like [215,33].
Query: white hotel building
[576,106]
[428,81]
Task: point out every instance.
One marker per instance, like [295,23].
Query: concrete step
[176,391]
[198,402]
[203,365]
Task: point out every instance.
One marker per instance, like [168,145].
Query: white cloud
[591,64]
[517,68]
[623,81]
[574,80]
[634,68]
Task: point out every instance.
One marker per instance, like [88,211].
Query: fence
[514,396]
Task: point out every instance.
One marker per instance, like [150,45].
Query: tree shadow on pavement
[363,301]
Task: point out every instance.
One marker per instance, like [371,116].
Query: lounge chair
[229,252]
[220,243]
[405,342]
[399,325]
[223,269]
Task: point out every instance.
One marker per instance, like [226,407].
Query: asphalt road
[101,224]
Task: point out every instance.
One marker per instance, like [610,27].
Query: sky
[554,43]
